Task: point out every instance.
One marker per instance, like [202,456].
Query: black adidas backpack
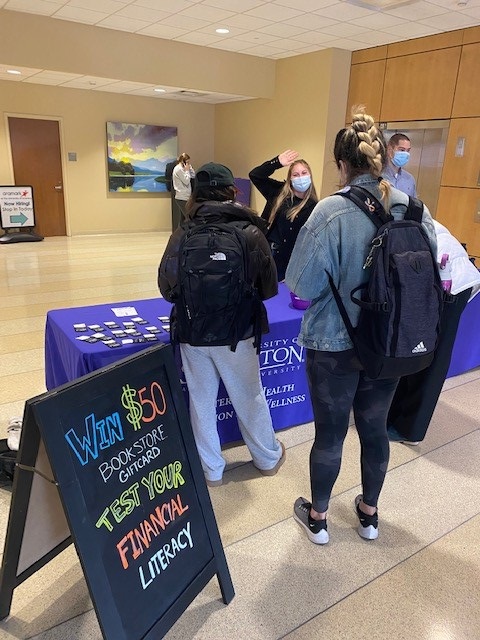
[215,300]
[401,304]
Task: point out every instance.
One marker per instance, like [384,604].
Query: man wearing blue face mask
[398,151]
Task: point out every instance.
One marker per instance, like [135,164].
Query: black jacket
[262,265]
[283,232]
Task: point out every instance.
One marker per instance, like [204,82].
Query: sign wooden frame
[139,584]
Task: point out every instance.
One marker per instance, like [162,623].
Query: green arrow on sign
[20,218]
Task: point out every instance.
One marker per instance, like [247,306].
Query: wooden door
[37,161]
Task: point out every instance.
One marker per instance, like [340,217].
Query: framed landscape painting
[137,155]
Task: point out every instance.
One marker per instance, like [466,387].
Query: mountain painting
[137,155]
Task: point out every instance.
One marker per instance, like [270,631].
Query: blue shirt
[400,179]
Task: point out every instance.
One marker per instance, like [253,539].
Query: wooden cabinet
[366,86]
[420,86]
[461,166]
[467,94]
[458,209]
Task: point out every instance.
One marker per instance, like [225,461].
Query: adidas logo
[420,348]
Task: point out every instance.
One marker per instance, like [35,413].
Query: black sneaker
[316,529]
[368,527]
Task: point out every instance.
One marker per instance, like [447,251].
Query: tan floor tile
[430,596]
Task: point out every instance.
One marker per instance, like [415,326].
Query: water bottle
[445,273]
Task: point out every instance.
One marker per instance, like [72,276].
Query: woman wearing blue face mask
[398,153]
[289,203]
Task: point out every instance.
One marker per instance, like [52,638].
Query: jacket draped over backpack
[335,241]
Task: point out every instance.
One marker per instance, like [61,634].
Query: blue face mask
[301,184]
[400,158]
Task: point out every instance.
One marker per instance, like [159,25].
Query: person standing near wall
[289,203]
[182,177]
[398,152]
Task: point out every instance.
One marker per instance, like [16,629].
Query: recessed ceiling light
[222,31]
[160,90]
[14,72]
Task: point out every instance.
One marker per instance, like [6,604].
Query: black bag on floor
[401,304]
[8,459]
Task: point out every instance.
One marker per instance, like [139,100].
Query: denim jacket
[335,240]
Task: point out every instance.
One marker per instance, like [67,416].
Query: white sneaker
[14,431]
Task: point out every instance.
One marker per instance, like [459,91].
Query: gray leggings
[337,384]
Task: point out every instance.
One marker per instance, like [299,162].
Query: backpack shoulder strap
[367,203]
[414,209]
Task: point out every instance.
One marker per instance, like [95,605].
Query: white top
[464,274]
[181,181]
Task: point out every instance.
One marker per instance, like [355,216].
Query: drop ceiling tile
[256,37]
[375,38]
[41,7]
[233,5]
[184,22]
[473,12]
[106,6]
[232,45]
[415,30]
[121,87]
[270,11]
[143,13]
[422,10]
[122,23]
[88,82]
[376,21]
[243,21]
[264,50]
[344,30]
[196,37]
[311,21]
[305,5]
[55,76]
[344,11]
[26,72]
[161,30]
[313,37]
[172,6]
[204,12]
[75,14]
[449,21]
[282,30]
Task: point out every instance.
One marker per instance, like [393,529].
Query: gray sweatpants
[240,372]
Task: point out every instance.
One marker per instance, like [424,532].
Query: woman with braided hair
[335,241]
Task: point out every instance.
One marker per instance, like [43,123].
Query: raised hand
[287,157]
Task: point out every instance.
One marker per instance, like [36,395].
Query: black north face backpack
[215,300]
[401,304]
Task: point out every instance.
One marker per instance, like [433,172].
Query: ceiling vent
[189,94]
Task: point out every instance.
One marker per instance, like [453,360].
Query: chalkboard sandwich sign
[122,452]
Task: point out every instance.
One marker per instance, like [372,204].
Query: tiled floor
[419,580]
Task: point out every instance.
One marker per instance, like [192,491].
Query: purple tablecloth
[282,360]
[466,350]
[282,365]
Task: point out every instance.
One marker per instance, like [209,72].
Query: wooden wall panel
[462,171]
[467,94]
[420,86]
[458,209]
[428,43]
[472,34]
[369,55]
[366,85]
